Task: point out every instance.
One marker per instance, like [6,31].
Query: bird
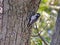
[33,18]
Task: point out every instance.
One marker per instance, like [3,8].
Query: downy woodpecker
[33,19]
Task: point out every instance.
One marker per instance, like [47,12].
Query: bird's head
[37,15]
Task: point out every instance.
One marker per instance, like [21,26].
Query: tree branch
[38,35]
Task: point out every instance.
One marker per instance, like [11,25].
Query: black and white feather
[33,18]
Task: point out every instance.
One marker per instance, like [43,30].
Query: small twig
[43,39]
[40,38]
[39,32]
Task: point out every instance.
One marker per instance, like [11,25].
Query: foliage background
[45,25]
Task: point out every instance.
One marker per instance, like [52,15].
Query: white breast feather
[32,18]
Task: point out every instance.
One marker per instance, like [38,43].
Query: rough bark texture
[14,30]
[56,35]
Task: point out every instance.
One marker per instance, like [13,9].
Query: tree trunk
[56,35]
[14,21]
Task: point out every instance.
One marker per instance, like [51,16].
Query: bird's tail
[28,25]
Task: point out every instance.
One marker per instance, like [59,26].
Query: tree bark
[56,35]
[14,22]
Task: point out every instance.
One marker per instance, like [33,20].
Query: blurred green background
[44,27]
